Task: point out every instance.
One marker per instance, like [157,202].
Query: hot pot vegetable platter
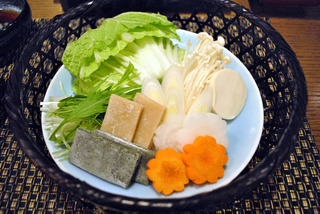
[157,106]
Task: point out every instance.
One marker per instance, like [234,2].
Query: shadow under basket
[261,49]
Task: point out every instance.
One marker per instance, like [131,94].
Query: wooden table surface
[302,34]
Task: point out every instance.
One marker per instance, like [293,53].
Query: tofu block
[122,117]
[112,161]
[150,119]
[140,174]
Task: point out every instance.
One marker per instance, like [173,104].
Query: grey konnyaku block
[140,176]
[104,157]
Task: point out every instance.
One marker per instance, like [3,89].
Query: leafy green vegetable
[87,110]
[111,59]
[102,54]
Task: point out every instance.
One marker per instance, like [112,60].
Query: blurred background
[278,8]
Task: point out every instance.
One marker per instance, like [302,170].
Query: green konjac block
[108,159]
[140,176]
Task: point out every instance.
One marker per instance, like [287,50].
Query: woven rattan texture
[292,187]
[7,62]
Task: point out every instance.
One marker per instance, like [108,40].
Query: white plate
[244,133]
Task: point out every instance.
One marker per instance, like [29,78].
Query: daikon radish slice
[165,134]
[202,124]
[229,93]
[184,129]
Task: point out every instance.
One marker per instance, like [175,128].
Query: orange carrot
[204,160]
[167,171]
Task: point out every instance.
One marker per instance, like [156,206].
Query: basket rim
[14,109]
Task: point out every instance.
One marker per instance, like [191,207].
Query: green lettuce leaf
[85,56]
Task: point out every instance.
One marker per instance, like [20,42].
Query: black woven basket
[263,51]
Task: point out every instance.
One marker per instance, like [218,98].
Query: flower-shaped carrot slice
[204,160]
[167,171]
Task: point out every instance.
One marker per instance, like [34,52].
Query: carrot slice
[167,171]
[204,160]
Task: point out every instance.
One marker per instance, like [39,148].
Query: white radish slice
[229,93]
[152,89]
[203,103]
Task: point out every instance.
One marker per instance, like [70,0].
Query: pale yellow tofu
[150,119]
[122,117]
